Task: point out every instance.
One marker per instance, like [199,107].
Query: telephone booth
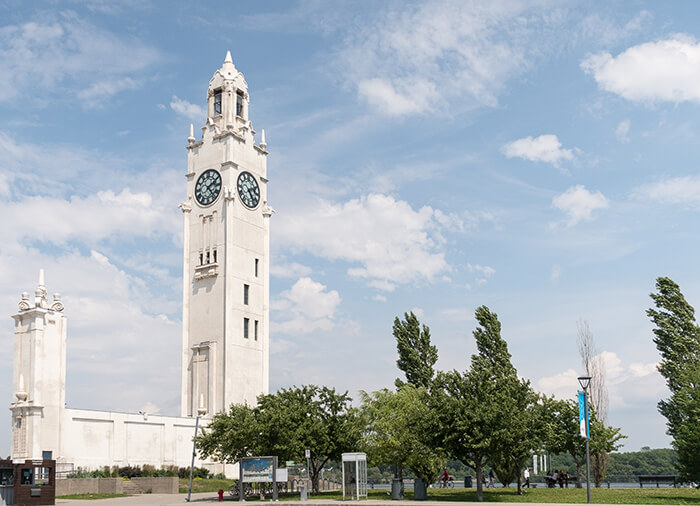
[354,475]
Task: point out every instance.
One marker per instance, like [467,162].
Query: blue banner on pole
[585,428]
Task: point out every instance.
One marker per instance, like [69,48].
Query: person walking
[526,475]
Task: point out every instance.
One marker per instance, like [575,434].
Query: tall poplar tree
[417,356]
[677,337]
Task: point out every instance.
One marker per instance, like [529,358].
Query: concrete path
[211,497]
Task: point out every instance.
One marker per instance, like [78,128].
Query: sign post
[257,470]
[308,470]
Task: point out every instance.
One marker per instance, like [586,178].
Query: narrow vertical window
[256,330]
[246,322]
[246,290]
[214,256]
[217,102]
[239,103]
[257,261]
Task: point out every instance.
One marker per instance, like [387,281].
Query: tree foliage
[417,356]
[487,414]
[395,428]
[285,424]
[563,433]
[677,337]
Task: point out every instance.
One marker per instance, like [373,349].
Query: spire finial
[191,138]
[263,144]
[228,57]
[41,277]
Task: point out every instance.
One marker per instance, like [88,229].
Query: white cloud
[545,148]
[680,190]
[60,53]
[663,71]
[440,55]
[622,131]
[289,270]
[193,112]
[555,273]
[484,270]
[307,306]
[580,203]
[90,219]
[628,384]
[392,243]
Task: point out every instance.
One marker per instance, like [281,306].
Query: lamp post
[200,412]
[585,381]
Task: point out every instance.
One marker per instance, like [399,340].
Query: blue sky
[539,158]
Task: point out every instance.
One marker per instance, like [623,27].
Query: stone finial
[191,138]
[40,293]
[228,57]
[57,304]
[24,304]
[263,143]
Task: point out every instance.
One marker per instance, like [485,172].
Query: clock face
[208,187]
[248,190]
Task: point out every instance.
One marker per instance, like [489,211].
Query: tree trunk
[520,485]
[579,475]
[479,482]
[599,466]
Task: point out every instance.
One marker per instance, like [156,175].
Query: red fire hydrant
[221,495]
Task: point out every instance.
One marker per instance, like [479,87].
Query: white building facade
[225,339]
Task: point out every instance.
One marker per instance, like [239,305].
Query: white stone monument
[225,313]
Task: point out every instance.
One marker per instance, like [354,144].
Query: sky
[536,157]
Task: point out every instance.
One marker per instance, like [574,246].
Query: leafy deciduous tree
[417,355]
[677,337]
[285,424]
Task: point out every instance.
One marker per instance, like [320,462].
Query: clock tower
[225,304]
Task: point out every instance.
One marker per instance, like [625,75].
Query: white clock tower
[225,306]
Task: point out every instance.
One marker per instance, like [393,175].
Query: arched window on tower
[239,103]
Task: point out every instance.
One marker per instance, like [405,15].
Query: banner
[585,429]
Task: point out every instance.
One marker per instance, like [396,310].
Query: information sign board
[258,469]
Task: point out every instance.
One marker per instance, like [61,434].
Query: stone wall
[71,486]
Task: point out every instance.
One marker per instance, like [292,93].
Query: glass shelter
[354,475]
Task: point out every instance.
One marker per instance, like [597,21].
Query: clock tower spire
[225,313]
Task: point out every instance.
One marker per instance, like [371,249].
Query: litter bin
[396,489]
[302,492]
[467,482]
[420,490]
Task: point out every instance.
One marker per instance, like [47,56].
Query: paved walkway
[212,497]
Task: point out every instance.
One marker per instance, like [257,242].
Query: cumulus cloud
[289,270]
[387,241]
[89,219]
[628,383]
[193,112]
[662,71]
[308,306]
[580,203]
[74,56]
[439,55]
[679,190]
[545,148]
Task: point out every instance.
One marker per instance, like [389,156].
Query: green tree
[417,356]
[285,424]
[677,337]
[395,428]
[563,433]
[486,414]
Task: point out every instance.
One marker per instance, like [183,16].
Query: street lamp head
[584,381]
[201,412]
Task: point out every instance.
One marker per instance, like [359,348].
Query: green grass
[200,485]
[534,495]
[546,495]
[90,497]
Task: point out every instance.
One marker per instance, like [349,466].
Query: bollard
[221,495]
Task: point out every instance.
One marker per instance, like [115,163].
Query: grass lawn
[200,485]
[536,495]
[90,497]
